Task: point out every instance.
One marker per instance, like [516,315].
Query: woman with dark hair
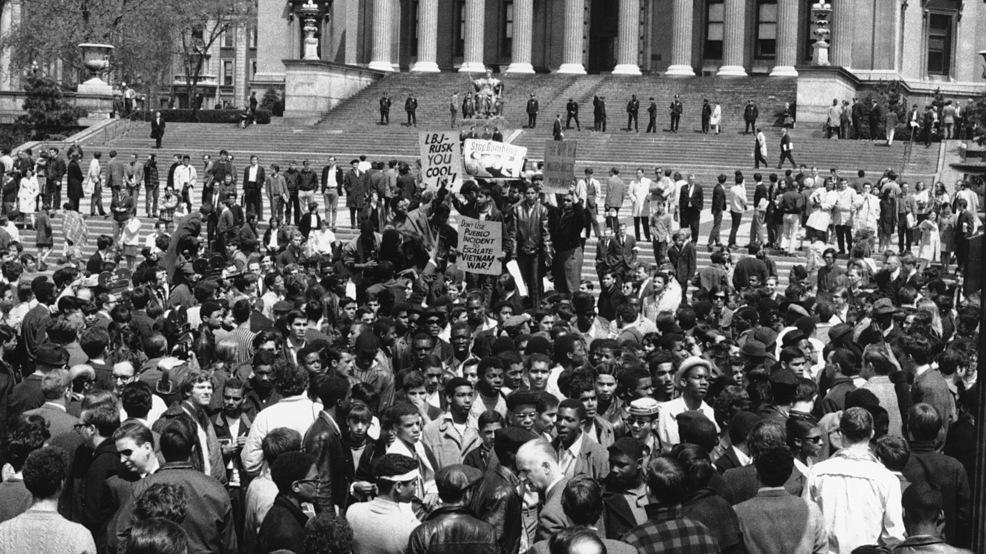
[703,503]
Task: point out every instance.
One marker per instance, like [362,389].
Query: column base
[520,67]
[425,67]
[382,66]
[680,71]
[571,69]
[626,69]
[731,71]
[472,67]
[784,71]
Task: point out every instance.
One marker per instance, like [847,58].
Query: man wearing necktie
[690,204]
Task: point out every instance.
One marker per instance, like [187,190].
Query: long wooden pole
[979,479]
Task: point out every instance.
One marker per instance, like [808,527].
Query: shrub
[204,116]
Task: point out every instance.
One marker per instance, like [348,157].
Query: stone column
[681,38]
[523,37]
[427,37]
[475,21]
[842,32]
[626,42]
[571,61]
[787,40]
[382,36]
[735,36]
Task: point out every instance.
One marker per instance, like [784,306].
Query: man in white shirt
[693,381]
[859,497]
[737,207]
[294,411]
[184,174]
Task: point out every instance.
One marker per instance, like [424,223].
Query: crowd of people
[944,119]
[231,389]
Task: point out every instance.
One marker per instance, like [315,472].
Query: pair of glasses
[307,481]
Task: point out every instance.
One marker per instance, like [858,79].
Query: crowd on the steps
[268,390]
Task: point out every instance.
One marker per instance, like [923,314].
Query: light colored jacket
[446,445]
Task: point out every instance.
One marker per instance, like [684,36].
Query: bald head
[537,464]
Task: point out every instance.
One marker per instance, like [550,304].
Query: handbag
[911,221]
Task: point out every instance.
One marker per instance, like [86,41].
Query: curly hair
[289,378]
[44,471]
[328,534]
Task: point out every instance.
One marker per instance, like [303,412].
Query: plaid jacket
[668,530]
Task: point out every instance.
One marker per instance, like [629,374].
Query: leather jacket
[453,530]
[497,501]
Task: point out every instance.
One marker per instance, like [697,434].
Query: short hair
[178,437]
[136,431]
[390,465]
[582,500]
[487,363]
[489,417]
[359,411]
[923,422]
[44,471]
[667,480]
[774,466]
[279,441]
[328,534]
[291,467]
[765,435]
[331,390]
[856,424]
[576,539]
[55,383]
[162,500]
[893,451]
[573,404]
[922,503]
[105,418]
[157,535]
[400,410]
[455,383]
[155,345]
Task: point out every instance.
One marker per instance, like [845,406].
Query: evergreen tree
[48,112]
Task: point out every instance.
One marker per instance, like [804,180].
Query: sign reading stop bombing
[441,160]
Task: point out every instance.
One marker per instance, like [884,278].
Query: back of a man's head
[289,469]
[576,540]
[856,425]
[178,437]
[667,480]
[278,441]
[44,471]
[582,501]
[164,500]
[774,466]
[765,435]
[923,422]
[893,452]
[922,503]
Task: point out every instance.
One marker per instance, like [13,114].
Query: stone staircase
[352,130]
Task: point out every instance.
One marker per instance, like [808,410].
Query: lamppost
[979,479]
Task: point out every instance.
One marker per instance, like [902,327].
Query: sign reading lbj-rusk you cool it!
[441,160]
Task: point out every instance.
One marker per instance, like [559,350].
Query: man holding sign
[566,230]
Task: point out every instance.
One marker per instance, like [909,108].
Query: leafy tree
[272,102]
[48,112]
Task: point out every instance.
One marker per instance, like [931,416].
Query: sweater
[40,530]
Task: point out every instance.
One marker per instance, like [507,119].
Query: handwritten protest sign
[481,245]
[493,160]
[559,165]
[441,160]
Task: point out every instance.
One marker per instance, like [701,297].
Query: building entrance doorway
[603,29]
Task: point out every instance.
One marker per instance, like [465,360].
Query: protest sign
[480,246]
[441,160]
[493,160]
[559,165]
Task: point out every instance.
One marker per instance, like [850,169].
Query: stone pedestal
[313,87]
[96,97]
[817,86]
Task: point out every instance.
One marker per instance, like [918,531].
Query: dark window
[229,37]
[939,44]
[507,41]
[766,43]
[714,30]
[460,40]
[228,73]
[415,8]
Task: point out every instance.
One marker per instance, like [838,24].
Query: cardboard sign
[559,165]
[493,160]
[75,228]
[441,160]
[481,246]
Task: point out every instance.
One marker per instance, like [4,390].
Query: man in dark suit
[497,501]
[572,109]
[55,388]
[718,207]
[385,109]
[876,113]
[690,204]
[355,185]
[532,111]
[411,107]
[743,480]
[750,115]
[675,109]
[652,116]
[538,460]
[556,128]
[75,179]
[633,109]
[157,129]
[253,181]
[116,170]
[706,115]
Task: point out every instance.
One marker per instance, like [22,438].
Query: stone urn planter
[96,59]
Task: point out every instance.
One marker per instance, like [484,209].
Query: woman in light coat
[716,119]
[640,203]
[867,210]
[27,195]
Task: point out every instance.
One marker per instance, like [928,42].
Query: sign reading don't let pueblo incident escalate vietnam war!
[441,160]
[481,246]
